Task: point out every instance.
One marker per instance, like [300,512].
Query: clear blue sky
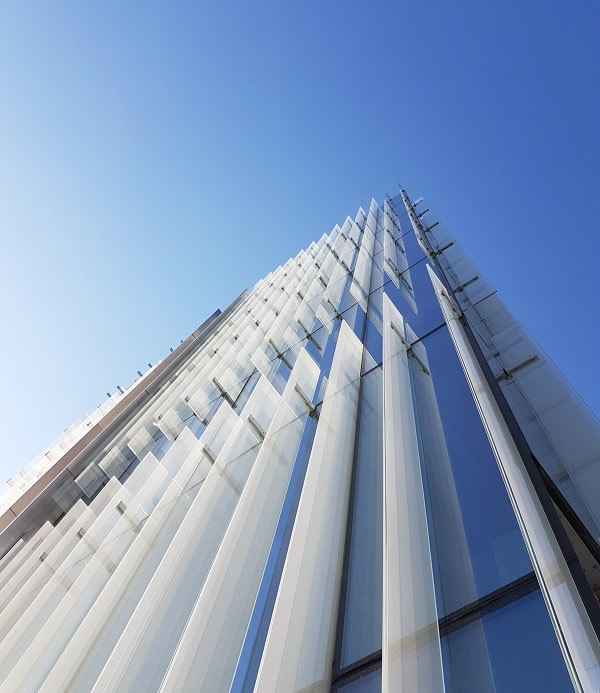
[157,159]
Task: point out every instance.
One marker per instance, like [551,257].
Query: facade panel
[363,475]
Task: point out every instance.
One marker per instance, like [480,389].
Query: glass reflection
[476,544]
[523,655]
[369,682]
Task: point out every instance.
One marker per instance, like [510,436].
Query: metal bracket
[334,309]
[462,287]
[451,304]
[507,373]
[439,251]
[256,427]
[280,354]
[409,349]
[223,392]
[309,335]
[312,410]
[209,453]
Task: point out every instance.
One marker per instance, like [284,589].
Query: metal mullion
[511,592]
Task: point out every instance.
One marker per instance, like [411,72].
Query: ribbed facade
[363,475]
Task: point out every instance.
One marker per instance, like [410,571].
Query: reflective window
[324,357]
[195,425]
[347,298]
[428,315]
[319,335]
[510,650]
[414,253]
[375,308]
[476,544]
[374,345]
[369,682]
[280,377]
[161,445]
[355,316]
[247,390]
[133,463]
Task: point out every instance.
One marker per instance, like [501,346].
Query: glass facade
[361,476]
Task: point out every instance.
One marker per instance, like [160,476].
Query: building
[363,475]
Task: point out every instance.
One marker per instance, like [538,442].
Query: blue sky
[158,158]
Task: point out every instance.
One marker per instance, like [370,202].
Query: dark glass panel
[369,682]
[510,650]
[195,425]
[414,253]
[280,377]
[324,357]
[247,390]
[348,299]
[476,544]
[161,445]
[428,315]
[355,316]
[374,343]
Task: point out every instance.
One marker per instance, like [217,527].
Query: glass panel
[370,682]
[574,629]
[397,205]
[377,276]
[374,343]
[375,312]
[355,316]
[247,390]
[324,358]
[414,253]
[361,634]
[280,377]
[523,655]
[470,514]
[561,431]
[362,271]
[428,315]
[347,299]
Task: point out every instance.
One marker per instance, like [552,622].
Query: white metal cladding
[306,607]
[217,625]
[149,579]
[411,655]
[85,601]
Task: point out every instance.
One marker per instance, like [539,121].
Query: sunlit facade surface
[363,475]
